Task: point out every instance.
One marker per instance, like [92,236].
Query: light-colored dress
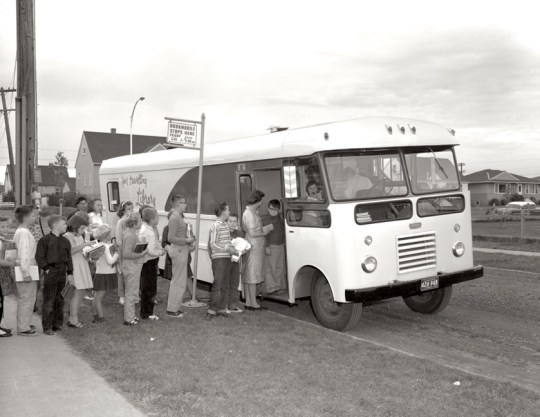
[252,267]
[82,276]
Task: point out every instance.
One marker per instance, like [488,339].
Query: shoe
[48,332]
[5,330]
[223,313]
[153,317]
[249,308]
[260,308]
[75,326]
[131,323]
[98,320]
[209,316]
[178,314]
[5,334]
[235,310]
[57,329]
[121,301]
[31,332]
[89,297]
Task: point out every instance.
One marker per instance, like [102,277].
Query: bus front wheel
[337,316]
[430,302]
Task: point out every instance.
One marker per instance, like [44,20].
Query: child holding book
[105,277]
[82,277]
[7,275]
[53,256]
[274,274]
[131,267]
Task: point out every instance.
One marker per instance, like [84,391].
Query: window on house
[500,188]
[520,188]
[84,151]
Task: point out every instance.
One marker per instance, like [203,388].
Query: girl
[105,277]
[82,278]
[95,212]
[26,257]
[132,263]
[124,210]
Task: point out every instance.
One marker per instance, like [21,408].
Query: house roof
[106,145]
[48,175]
[498,176]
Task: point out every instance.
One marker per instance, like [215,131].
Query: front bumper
[406,289]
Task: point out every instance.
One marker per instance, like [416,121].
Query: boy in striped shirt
[221,251]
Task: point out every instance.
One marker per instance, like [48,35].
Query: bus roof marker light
[326,136]
[401,129]
[412,129]
[457,227]
[388,129]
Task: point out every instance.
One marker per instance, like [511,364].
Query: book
[34,273]
[140,247]
[95,251]
[8,250]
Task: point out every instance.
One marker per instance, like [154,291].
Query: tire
[430,302]
[336,316]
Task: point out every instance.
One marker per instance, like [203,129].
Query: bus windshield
[361,175]
[432,170]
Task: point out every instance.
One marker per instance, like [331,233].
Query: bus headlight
[369,264]
[458,249]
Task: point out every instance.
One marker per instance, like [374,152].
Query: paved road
[490,328]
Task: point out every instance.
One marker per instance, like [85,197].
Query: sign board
[37,176]
[183,133]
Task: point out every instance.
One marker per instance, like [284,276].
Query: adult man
[178,250]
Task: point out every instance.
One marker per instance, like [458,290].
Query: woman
[124,210]
[81,204]
[82,277]
[132,263]
[253,266]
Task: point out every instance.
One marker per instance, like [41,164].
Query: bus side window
[113,195]
[308,218]
[303,181]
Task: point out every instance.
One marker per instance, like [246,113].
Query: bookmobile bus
[373,208]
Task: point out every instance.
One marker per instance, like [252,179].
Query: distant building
[488,184]
[98,146]
[45,178]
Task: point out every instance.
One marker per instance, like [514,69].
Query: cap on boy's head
[275,204]
[102,231]
[54,219]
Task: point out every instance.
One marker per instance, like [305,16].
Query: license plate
[429,284]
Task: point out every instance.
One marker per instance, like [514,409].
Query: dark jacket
[54,251]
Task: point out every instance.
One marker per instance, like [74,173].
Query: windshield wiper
[438,163]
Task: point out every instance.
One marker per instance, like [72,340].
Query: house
[45,179]
[98,146]
[490,184]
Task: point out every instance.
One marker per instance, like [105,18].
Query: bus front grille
[417,251]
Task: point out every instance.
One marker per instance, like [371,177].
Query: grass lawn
[262,364]
[499,260]
[510,228]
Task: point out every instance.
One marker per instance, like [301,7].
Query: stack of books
[363,217]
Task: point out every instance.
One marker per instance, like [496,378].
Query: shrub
[9,197]
[494,202]
[69,199]
[516,197]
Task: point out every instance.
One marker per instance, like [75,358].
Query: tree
[60,171]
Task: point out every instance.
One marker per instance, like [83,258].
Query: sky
[473,66]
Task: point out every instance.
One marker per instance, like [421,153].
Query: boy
[222,249]
[275,249]
[7,280]
[232,294]
[53,256]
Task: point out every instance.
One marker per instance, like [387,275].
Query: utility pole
[461,165]
[11,167]
[26,102]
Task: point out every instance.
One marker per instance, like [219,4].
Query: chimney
[113,129]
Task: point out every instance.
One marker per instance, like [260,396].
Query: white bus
[385,215]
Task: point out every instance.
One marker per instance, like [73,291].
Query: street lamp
[131,126]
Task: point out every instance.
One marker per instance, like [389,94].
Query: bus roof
[361,133]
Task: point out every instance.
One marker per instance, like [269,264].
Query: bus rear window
[436,206]
[383,212]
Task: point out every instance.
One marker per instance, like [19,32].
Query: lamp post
[131,126]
